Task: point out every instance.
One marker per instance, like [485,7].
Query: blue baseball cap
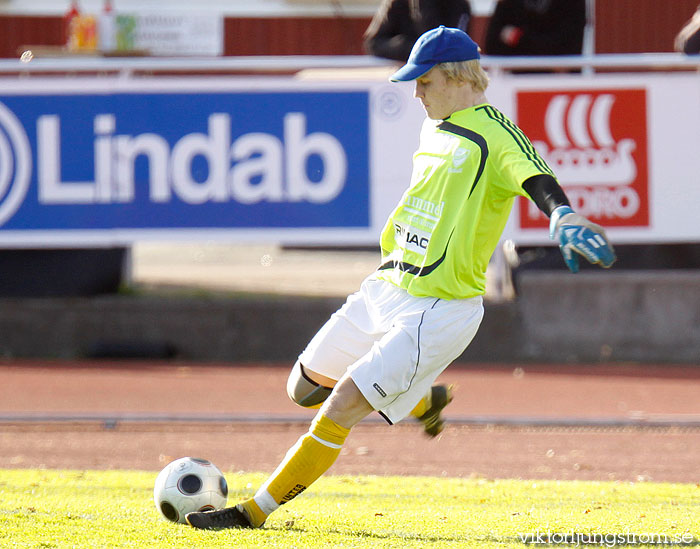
[440,45]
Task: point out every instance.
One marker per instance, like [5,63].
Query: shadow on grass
[376,535]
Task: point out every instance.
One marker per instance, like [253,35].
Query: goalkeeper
[417,313]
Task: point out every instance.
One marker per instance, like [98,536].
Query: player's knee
[303,390]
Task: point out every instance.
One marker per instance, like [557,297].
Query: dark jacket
[397,24]
[688,39]
[546,27]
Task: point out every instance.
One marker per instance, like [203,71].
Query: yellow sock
[422,406]
[255,515]
[307,460]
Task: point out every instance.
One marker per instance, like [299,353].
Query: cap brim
[410,72]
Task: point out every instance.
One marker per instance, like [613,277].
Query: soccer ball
[189,484]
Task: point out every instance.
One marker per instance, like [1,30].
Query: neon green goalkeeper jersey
[466,174]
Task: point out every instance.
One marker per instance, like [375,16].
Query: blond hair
[466,71]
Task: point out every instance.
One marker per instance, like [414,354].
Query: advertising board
[95,161]
[116,165]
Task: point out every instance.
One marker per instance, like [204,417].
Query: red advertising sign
[595,141]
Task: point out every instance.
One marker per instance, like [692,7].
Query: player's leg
[308,388]
[347,335]
[345,338]
[404,362]
[391,378]
[304,463]
[314,452]
[401,368]
[429,409]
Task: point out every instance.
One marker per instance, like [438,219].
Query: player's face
[440,96]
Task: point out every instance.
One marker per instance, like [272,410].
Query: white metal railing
[655,61]
[128,65]
[291,63]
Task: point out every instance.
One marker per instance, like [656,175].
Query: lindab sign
[596,143]
[154,161]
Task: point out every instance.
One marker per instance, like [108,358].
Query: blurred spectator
[397,24]
[688,39]
[536,27]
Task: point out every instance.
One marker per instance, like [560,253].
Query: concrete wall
[191,328]
[605,316]
[648,316]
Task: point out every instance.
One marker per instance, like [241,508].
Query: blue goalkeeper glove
[578,234]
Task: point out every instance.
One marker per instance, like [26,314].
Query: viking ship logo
[15,164]
[583,150]
[595,142]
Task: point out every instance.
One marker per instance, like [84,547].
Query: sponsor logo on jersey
[458,158]
[411,239]
[595,141]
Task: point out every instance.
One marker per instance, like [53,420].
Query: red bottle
[70,15]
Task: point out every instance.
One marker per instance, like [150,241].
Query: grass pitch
[48,508]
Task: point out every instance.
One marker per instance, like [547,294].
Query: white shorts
[393,345]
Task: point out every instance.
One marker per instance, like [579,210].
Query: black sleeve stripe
[519,137]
